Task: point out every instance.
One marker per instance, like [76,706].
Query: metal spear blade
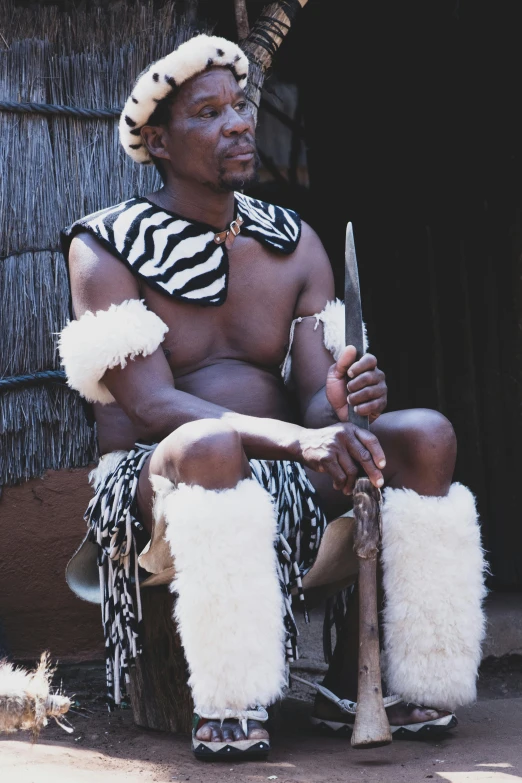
[354,328]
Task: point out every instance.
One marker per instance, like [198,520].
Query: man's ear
[155,139]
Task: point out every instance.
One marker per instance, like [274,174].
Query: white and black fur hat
[152,85]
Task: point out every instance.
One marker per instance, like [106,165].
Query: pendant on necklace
[232,231]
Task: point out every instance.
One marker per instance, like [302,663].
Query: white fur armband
[332,318]
[99,341]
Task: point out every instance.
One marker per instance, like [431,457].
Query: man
[188,302]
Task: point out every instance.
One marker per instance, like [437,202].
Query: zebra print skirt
[113,519]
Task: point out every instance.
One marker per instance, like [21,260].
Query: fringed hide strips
[229,606]
[332,319]
[433,571]
[26,701]
[100,341]
[83,60]
[159,79]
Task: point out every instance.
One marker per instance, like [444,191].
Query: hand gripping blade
[354,329]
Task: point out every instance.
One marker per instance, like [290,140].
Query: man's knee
[207,452]
[428,437]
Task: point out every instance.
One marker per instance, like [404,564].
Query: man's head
[205,133]
[188,114]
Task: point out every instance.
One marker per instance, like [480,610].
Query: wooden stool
[159,693]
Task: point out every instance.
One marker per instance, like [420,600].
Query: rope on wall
[32,379]
[25,250]
[52,108]
[110,114]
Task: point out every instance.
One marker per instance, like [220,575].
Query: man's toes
[227,733]
[230,731]
[239,734]
[256,730]
[211,731]
[403,714]
[204,732]
[423,714]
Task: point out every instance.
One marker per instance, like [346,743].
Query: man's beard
[228,182]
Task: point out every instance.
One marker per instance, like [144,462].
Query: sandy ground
[108,748]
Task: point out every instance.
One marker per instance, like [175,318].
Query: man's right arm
[146,391]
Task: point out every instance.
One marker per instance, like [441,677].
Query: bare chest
[251,326]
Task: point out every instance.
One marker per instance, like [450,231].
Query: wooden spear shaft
[371,728]
[243,28]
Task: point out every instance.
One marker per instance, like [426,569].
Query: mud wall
[41,525]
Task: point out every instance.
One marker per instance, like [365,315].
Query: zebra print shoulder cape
[177,256]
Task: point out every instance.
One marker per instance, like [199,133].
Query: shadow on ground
[108,748]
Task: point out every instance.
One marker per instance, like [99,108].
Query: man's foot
[230,731]
[403,718]
[215,739]
[403,714]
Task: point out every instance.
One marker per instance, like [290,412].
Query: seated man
[188,302]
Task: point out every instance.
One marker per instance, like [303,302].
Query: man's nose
[237,123]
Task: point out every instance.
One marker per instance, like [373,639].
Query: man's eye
[207,113]
[242,106]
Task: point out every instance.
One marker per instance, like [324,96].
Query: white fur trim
[99,341]
[26,700]
[15,682]
[433,570]
[229,608]
[332,318]
[106,465]
[192,57]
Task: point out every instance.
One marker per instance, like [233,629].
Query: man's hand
[360,383]
[338,450]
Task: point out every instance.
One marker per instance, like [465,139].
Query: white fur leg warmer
[434,570]
[229,607]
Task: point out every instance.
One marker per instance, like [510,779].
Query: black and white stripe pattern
[301,524]
[113,518]
[274,226]
[177,256]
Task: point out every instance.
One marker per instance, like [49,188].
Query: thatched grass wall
[54,169]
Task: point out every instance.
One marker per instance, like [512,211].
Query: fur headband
[152,85]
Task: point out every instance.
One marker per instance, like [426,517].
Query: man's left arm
[323,385]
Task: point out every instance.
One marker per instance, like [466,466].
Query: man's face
[210,136]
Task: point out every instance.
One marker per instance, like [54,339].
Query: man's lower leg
[229,607]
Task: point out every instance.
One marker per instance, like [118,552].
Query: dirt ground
[108,748]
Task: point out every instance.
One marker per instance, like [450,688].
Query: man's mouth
[243,153]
